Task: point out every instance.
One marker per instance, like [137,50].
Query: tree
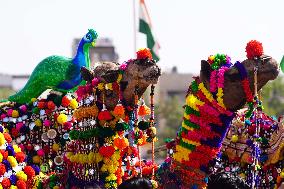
[273,97]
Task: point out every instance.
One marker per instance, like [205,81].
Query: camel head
[136,74]
[234,96]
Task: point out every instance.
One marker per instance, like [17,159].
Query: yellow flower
[13,187]
[22,176]
[109,86]
[98,157]
[1,157]
[2,139]
[181,154]
[193,102]
[13,162]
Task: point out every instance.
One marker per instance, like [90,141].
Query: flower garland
[205,123]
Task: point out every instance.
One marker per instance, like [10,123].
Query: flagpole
[134,28]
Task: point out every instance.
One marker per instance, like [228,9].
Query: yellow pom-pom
[2,139]
[17,148]
[73,103]
[85,158]
[109,86]
[38,123]
[101,86]
[282,174]
[13,162]
[235,138]
[62,118]
[55,147]
[119,78]
[15,113]
[91,157]
[1,157]
[33,99]
[22,176]
[56,187]
[36,159]
[13,187]
[1,187]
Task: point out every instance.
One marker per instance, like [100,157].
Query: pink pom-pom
[40,152]
[9,112]
[123,66]
[254,49]
[47,123]
[3,116]
[23,108]
[95,81]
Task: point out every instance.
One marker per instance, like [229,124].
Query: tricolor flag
[146,28]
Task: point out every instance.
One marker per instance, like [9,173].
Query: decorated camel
[43,125]
[211,103]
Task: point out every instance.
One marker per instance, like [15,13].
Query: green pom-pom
[35,110]
[121,126]
[143,125]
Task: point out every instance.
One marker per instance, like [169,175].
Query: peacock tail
[48,74]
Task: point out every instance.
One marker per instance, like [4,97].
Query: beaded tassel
[152,124]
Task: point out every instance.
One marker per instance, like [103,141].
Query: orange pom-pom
[30,172]
[144,53]
[21,184]
[120,143]
[20,157]
[50,105]
[254,49]
[6,183]
[2,169]
[7,137]
[119,110]
[144,110]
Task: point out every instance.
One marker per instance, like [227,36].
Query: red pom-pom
[50,105]
[20,157]
[104,115]
[106,151]
[29,171]
[14,132]
[21,184]
[6,183]
[65,101]
[41,105]
[144,53]
[7,137]
[2,169]
[254,49]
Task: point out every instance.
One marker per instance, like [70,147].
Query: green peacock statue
[57,72]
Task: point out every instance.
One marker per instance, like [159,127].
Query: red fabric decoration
[50,105]
[20,157]
[4,154]
[6,183]
[29,171]
[7,137]
[144,53]
[2,169]
[21,184]
[104,115]
[254,49]
[106,151]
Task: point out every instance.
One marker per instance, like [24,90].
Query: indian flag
[146,28]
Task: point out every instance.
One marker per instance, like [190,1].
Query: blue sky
[187,30]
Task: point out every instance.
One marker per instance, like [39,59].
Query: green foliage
[273,97]
[171,111]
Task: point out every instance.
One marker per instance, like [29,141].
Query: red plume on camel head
[254,49]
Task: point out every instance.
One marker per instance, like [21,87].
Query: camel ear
[87,75]
[110,76]
[206,70]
